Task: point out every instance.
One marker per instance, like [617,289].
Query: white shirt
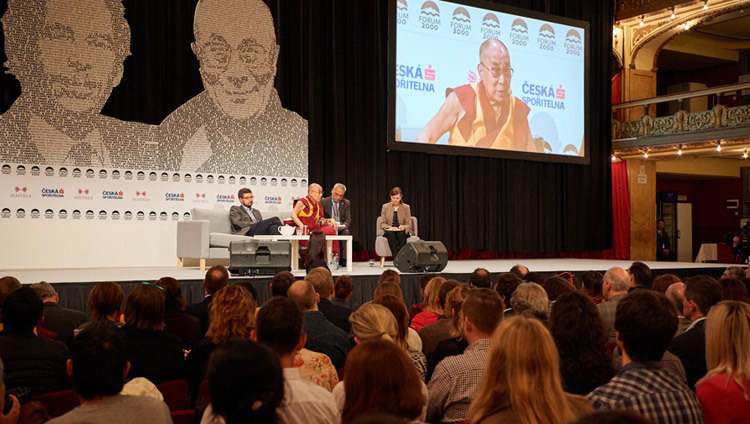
[413,340]
[694,323]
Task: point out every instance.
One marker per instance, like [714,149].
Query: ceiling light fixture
[744,155]
[672,15]
[679,151]
[645,154]
[705,4]
[641,24]
[718,147]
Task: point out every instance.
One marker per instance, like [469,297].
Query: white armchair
[381,243]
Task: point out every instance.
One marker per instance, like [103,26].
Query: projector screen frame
[394,145]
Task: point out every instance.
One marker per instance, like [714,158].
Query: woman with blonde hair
[724,393]
[522,382]
[432,309]
[397,307]
[455,343]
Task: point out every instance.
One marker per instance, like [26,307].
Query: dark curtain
[333,71]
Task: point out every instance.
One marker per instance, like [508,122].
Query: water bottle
[335,262]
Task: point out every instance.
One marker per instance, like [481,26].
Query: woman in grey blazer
[396,221]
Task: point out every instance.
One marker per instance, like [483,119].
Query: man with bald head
[308,212]
[615,286]
[322,335]
[676,294]
[486,113]
[237,125]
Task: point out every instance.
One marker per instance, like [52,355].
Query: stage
[73,284]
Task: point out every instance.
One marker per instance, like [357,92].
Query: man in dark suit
[56,318]
[216,279]
[248,221]
[322,281]
[663,252]
[701,293]
[339,209]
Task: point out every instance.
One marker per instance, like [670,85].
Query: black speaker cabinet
[259,257]
[422,256]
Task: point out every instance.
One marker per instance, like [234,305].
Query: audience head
[98,363]
[645,322]
[423,280]
[480,278]
[322,281]
[676,294]
[7,286]
[640,275]
[519,270]
[737,272]
[232,314]
[534,277]
[216,279]
[245,381]
[279,325]
[22,311]
[506,284]
[522,372]
[556,287]
[616,281]
[454,301]
[250,289]
[144,308]
[701,293]
[343,287]
[571,278]
[280,283]
[734,289]
[432,294]
[400,314]
[728,341]
[373,321]
[530,299]
[105,300]
[446,287]
[316,248]
[482,311]
[303,293]
[45,291]
[380,378]
[390,275]
[592,282]
[662,282]
[387,288]
[173,292]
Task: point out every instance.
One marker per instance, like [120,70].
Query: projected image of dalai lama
[237,125]
[484,114]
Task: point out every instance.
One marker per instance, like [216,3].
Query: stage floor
[359,269]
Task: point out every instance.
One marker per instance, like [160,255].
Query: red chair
[58,403]
[183,417]
[176,394]
[204,396]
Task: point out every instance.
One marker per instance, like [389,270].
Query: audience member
[398,310]
[455,344]
[387,288]
[432,309]
[322,335]
[733,289]
[581,339]
[250,288]
[281,282]
[7,286]
[519,270]
[571,278]
[534,277]
[419,307]
[724,393]
[232,316]
[379,378]
[317,251]
[97,366]
[615,286]
[662,282]
[153,353]
[645,323]
[105,300]
[343,289]
[280,328]
[640,276]
[322,281]
[216,279]
[505,285]
[14,410]
[176,321]
[531,300]
[701,293]
[246,383]
[456,379]
[522,382]
[31,362]
[434,333]
[481,278]
[61,321]
[390,275]
[676,293]
[556,287]
[592,284]
[737,272]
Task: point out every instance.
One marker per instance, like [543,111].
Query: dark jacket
[337,314]
[62,320]
[155,355]
[34,362]
[183,325]
[324,337]
[690,347]
[200,311]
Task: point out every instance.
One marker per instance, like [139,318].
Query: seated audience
[390,275]
[505,285]
[380,378]
[481,278]
[737,272]
[530,300]
[701,293]
[592,285]
[246,384]
[640,276]
[398,310]
[442,329]
[419,307]
[14,410]
[232,316]
[556,287]
[724,393]
[105,300]
[97,367]
[522,382]
[456,380]
[281,282]
[216,279]
[645,322]
[153,353]
[520,271]
[322,335]
[322,281]
[343,289]
[59,320]
[317,251]
[455,344]
[676,294]
[387,288]
[534,277]
[613,417]
[734,289]
[176,321]
[662,282]
[31,362]
[279,325]
[7,286]
[432,309]
[581,340]
[615,286]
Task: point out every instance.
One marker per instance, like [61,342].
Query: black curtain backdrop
[332,70]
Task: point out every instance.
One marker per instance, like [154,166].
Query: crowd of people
[618,347]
